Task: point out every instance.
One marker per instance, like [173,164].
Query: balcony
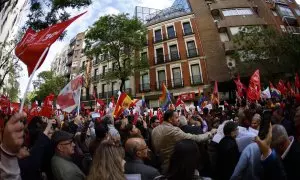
[228,46]
[160,59]
[96,62]
[191,53]
[229,4]
[145,87]
[69,62]
[293,29]
[232,21]
[157,39]
[188,32]
[82,68]
[70,52]
[177,83]
[196,80]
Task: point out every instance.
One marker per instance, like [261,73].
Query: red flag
[297,81]
[47,109]
[254,87]
[240,86]
[100,102]
[290,89]
[33,44]
[215,94]
[179,101]
[281,87]
[5,105]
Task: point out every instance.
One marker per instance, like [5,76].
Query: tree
[44,13]
[273,52]
[49,83]
[121,38]
[12,86]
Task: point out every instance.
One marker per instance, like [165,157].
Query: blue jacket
[249,166]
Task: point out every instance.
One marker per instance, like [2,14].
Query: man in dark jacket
[228,152]
[136,151]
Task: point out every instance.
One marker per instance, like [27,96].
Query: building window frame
[155,53]
[182,26]
[166,76]
[186,46]
[154,35]
[192,63]
[173,66]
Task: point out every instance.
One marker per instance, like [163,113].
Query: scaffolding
[151,16]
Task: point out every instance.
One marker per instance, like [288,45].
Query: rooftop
[152,16]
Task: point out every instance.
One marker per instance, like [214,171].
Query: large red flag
[281,87]
[240,87]
[47,109]
[33,44]
[297,81]
[254,89]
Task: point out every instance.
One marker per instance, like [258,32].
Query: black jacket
[138,167]
[191,129]
[291,162]
[228,157]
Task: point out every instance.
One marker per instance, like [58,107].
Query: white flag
[266,94]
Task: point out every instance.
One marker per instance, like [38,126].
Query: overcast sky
[94,11]
[97,9]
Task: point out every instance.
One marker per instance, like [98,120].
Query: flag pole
[79,105]
[31,77]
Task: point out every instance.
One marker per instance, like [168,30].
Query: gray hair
[182,121]
[108,119]
[257,117]
[279,135]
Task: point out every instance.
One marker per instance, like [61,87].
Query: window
[171,32]
[285,11]
[114,66]
[159,55]
[187,29]
[95,72]
[196,75]
[224,37]
[161,78]
[127,84]
[104,90]
[96,91]
[177,80]
[144,55]
[297,12]
[104,70]
[158,35]
[174,52]
[237,12]
[191,48]
[145,82]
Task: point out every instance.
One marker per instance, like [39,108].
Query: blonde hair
[107,162]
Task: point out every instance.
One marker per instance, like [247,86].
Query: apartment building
[60,65]
[175,54]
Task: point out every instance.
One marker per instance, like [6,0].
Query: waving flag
[124,102]
[47,109]
[240,87]
[274,92]
[215,95]
[254,89]
[165,98]
[281,87]
[33,44]
[290,89]
[69,97]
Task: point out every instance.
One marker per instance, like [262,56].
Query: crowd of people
[219,143]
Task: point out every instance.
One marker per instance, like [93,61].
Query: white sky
[97,9]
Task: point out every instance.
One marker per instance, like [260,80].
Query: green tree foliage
[44,13]
[273,52]
[120,39]
[49,83]
[12,87]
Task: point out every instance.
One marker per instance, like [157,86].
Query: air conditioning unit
[230,63]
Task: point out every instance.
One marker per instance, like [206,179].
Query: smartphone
[265,124]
